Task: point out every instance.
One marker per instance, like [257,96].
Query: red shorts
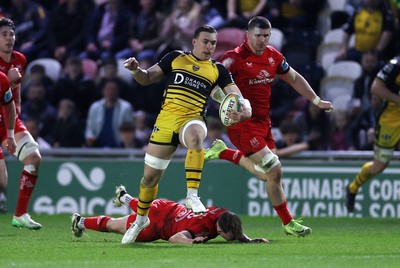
[251,136]
[19,127]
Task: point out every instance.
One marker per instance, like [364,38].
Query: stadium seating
[277,38]
[342,102]
[228,38]
[336,4]
[327,53]
[333,36]
[52,67]
[350,69]
[334,86]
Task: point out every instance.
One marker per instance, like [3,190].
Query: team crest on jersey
[271,61]
[195,68]
[254,142]
[155,129]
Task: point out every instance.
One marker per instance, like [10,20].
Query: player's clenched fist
[131,64]
[14,76]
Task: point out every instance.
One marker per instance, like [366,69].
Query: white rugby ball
[231,101]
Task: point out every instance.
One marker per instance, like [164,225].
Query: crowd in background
[80,109]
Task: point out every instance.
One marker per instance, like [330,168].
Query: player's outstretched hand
[199,240]
[258,240]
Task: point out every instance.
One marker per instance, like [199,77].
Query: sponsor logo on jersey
[263,78]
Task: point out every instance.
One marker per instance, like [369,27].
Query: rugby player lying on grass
[169,221]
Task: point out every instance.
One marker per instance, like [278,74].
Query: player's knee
[155,162]
[269,161]
[383,155]
[193,134]
[28,147]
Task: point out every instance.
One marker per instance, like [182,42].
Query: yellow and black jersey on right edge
[190,82]
[389,111]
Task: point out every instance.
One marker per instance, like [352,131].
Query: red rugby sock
[283,213]
[97,223]
[27,183]
[231,155]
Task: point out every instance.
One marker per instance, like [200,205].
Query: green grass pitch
[343,242]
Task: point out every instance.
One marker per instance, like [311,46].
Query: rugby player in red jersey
[13,63]
[254,66]
[169,221]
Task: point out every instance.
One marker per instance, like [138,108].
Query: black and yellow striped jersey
[390,76]
[189,82]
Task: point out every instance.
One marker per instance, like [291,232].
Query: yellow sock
[363,176]
[146,197]
[194,166]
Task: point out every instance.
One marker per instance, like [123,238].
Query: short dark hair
[204,28]
[127,126]
[7,22]
[229,222]
[259,22]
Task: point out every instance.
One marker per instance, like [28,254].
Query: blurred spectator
[216,130]
[106,116]
[362,118]
[65,34]
[180,25]
[33,127]
[147,98]
[37,74]
[36,106]
[239,12]
[362,86]
[351,6]
[145,33]
[282,101]
[127,136]
[30,19]
[142,130]
[314,123]
[109,69]
[339,136]
[213,13]
[76,86]
[291,15]
[373,28]
[107,30]
[68,130]
[291,141]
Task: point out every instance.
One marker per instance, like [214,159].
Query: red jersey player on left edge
[7,115]
[12,64]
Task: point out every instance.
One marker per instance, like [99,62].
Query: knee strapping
[196,121]
[25,147]
[155,162]
[267,163]
[382,154]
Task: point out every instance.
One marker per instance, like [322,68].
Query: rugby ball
[231,101]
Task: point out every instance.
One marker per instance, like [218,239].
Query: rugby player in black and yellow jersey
[385,100]
[191,78]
